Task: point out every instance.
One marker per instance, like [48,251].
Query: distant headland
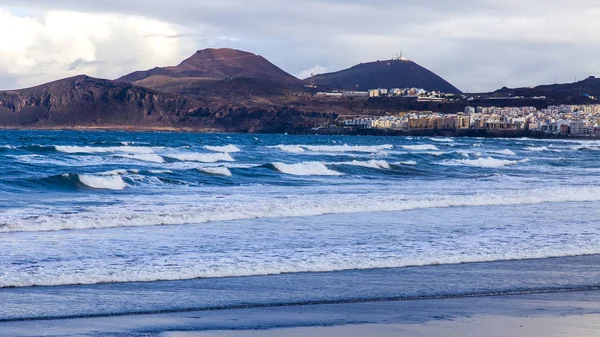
[228,90]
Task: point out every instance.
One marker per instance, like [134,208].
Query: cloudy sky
[478,45]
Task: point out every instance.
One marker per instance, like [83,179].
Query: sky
[477,45]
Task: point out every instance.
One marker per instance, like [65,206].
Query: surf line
[309,303]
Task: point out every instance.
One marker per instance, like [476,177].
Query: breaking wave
[195,212]
[219,170]
[225,149]
[488,162]
[425,147]
[376,164]
[92,149]
[442,140]
[306,169]
[288,148]
[333,148]
[505,152]
[103,182]
[147,157]
[409,163]
[202,157]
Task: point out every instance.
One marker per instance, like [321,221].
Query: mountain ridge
[218,64]
[396,73]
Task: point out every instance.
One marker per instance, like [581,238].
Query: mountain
[87,101]
[217,64]
[398,73]
[580,92]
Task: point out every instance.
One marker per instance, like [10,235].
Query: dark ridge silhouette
[398,73]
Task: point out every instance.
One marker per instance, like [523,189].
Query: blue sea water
[94,213]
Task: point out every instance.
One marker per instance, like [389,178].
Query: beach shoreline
[550,314]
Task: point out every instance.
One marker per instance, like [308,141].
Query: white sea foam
[348,148]
[160,171]
[306,169]
[325,262]
[225,149]
[288,148]
[488,162]
[150,157]
[220,170]
[105,182]
[537,148]
[333,148]
[409,163]
[227,208]
[505,152]
[377,164]
[203,157]
[114,173]
[91,149]
[424,147]
[442,140]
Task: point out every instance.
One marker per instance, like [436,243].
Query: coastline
[536,315]
[414,301]
[467,133]
[491,326]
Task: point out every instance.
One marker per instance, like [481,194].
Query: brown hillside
[219,64]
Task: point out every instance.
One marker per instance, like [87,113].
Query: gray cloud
[475,44]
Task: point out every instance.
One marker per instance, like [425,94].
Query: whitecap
[409,163]
[537,148]
[219,170]
[160,171]
[333,148]
[424,147]
[152,158]
[105,182]
[225,149]
[202,157]
[306,169]
[442,140]
[488,162]
[288,148]
[377,164]
[91,149]
[505,152]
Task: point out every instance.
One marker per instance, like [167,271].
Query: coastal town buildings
[571,120]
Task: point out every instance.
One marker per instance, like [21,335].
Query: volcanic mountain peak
[396,73]
[212,54]
[219,64]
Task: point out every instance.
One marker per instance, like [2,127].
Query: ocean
[120,223]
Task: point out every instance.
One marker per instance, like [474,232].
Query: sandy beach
[491,326]
[537,315]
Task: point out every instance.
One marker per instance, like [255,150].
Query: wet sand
[495,326]
[558,314]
